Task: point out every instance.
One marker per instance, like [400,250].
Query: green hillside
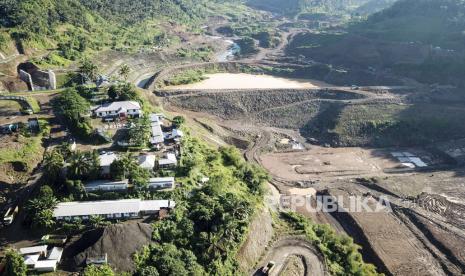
[420,39]
[437,22]
[373,6]
[77,27]
[294,7]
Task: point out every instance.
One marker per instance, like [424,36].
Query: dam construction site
[245,137]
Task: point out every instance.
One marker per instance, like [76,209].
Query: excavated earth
[424,232]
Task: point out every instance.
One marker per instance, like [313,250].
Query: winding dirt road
[294,246]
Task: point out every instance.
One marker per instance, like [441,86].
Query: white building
[176,134]
[147,161]
[118,109]
[103,185]
[169,162]
[105,161]
[165,183]
[110,209]
[40,250]
[157,133]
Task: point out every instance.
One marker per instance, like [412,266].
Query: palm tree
[89,70]
[53,163]
[124,71]
[80,165]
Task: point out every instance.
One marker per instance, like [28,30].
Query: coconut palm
[89,70]
[53,163]
[124,71]
[80,165]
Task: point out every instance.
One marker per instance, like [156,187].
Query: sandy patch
[245,81]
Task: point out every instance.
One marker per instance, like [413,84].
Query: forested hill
[294,7]
[40,15]
[373,6]
[436,22]
[44,24]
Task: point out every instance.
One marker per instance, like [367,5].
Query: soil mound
[119,242]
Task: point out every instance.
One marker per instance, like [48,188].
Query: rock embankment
[234,104]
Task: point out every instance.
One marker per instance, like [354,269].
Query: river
[230,52]
[246,81]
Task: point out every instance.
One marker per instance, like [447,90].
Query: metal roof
[107,158]
[147,161]
[98,183]
[157,134]
[89,208]
[161,179]
[116,106]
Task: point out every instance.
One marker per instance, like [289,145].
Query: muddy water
[246,81]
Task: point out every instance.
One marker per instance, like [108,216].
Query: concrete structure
[46,266]
[110,209]
[55,254]
[40,250]
[52,80]
[27,78]
[409,160]
[35,78]
[147,161]
[118,110]
[31,260]
[169,162]
[105,161]
[106,186]
[165,183]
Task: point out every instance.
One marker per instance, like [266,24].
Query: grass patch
[30,146]
[186,77]
[34,104]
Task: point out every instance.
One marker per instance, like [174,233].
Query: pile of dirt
[118,241]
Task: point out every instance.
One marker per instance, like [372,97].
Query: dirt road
[294,246]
